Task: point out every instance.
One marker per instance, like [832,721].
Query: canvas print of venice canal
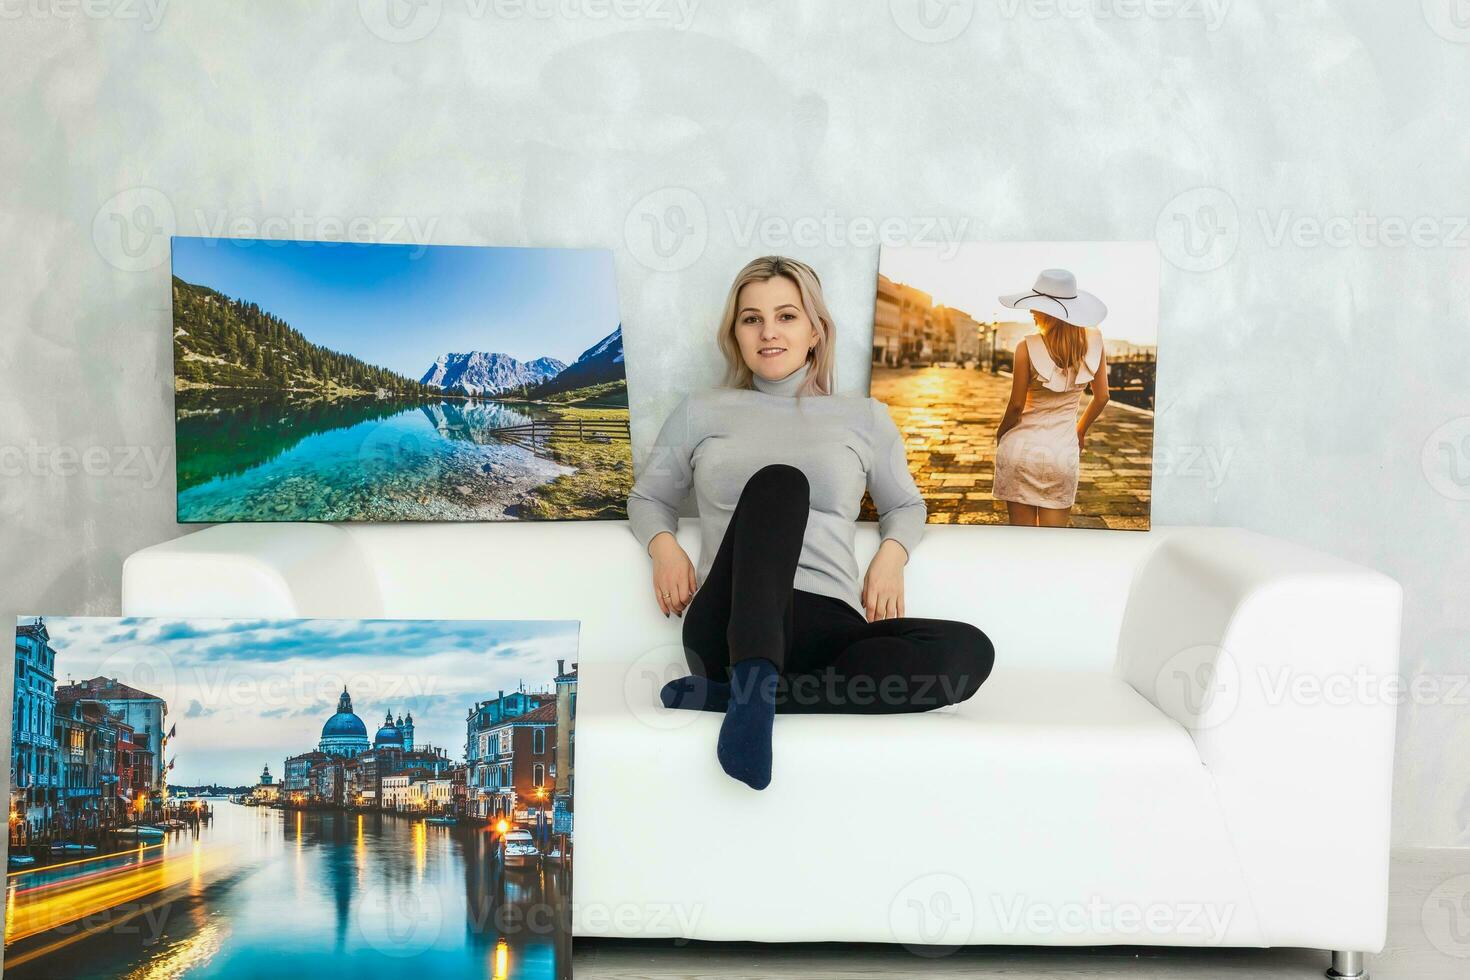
[330,381]
[293,798]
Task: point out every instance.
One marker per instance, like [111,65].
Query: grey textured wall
[1301,165]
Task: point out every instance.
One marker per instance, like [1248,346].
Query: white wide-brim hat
[1056,293]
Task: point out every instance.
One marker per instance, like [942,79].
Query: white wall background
[1302,166]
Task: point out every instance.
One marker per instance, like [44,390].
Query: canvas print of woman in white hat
[1022,376]
[1040,438]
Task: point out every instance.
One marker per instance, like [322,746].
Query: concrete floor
[1428,939]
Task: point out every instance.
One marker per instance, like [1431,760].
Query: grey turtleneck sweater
[715,440]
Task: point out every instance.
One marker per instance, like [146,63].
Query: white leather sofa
[1187,739]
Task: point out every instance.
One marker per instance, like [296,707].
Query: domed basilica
[345,735]
[395,734]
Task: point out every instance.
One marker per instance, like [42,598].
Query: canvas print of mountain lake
[332,381]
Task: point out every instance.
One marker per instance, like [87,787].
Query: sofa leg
[1347,966]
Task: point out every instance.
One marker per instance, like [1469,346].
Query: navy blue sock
[696,694]
[744,748]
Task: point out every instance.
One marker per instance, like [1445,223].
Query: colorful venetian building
[34,762]
[563,771]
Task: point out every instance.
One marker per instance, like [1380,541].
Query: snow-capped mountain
[482,373]
[609,347]
[598,364]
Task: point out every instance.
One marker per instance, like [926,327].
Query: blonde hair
[1065,342]
[820,360]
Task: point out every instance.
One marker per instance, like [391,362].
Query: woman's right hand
[673,574]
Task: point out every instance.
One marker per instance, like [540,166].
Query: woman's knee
[779,478]
[972,657]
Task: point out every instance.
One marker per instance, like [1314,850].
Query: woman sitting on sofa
[777,620]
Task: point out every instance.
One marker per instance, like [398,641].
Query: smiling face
[772,327]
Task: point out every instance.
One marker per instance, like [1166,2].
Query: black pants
[831,659]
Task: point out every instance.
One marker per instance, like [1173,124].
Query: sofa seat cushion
[1046,792]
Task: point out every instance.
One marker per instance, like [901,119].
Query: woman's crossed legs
[758,646]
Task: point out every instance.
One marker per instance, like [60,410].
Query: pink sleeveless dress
[1036,463]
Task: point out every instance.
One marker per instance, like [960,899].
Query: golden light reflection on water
[189,955]
[251,860]
[360,853]
[47,905]
[299,866]
[501,969]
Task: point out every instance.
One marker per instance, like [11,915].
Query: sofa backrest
[1048,598]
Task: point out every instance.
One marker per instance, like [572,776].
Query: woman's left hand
[883,585]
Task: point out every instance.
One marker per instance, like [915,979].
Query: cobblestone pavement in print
[948,417]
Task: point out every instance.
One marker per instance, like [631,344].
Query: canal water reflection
[294,893]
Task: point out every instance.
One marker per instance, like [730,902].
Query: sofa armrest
[1282,663]
[281,570]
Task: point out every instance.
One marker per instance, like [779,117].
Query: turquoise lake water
[363,459]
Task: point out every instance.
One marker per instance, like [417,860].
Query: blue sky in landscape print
[402,306]
[245,693]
